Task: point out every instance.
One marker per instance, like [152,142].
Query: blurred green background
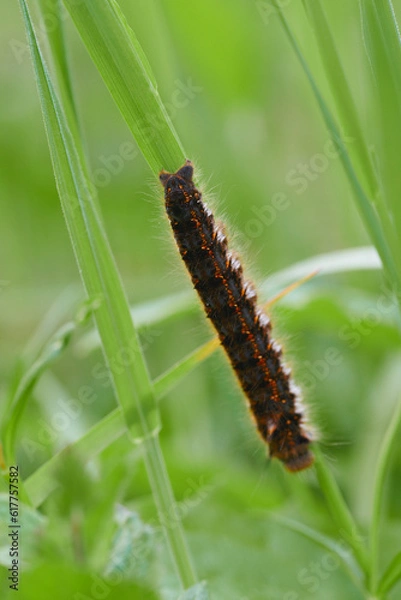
[247,118]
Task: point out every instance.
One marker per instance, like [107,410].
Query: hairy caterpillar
[243,328]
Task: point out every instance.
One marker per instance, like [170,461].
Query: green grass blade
[51,352]
[330,263]
[328,544]
[173,376]
[340,90]
[55,315]
[121,62]
[340,512]
[132,385]
[58,61]
[56,41]
[27,382]
[383,48]
[389,443]
[366,209]
[92,252]
[391,576]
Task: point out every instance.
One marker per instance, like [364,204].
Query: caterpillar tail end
[299,462]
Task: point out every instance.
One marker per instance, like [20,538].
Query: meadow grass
[127,74]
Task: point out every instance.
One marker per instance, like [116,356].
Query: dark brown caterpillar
[243,328]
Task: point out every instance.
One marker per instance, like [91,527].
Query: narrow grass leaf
[51,352]
[328,544]
[121,62]
[340,512]
[391,576]
[330,263]
[341,92]
[58,312]
[366,209]
[390,441]
[384,53]
[55,36]
[132,384]
[45,330]
[173,376]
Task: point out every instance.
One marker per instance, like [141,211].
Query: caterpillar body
[244,330]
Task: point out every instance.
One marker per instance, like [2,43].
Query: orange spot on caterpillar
[243,328]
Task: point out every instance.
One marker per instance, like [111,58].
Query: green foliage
[226,78]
